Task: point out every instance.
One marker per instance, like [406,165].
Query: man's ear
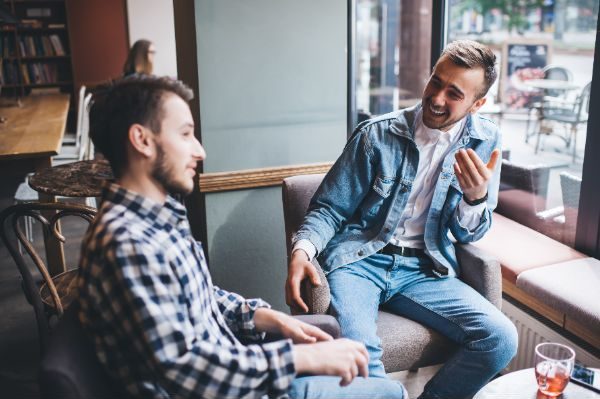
[477,104]
[141,140]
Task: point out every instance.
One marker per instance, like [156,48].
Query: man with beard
[379,223]
[161,328]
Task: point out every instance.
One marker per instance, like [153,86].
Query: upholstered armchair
[406,344]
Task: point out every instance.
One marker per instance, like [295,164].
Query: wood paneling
[253,178]
[99,39]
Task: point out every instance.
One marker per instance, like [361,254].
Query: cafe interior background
[279,87]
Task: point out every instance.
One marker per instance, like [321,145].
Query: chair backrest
[556,72]
[86,148]
[32,266]
[297,192]
[582,104]
[70,369]
[80,101]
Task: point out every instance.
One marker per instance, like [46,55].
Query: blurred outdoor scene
[545,53]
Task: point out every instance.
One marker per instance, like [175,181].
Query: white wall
[153,20]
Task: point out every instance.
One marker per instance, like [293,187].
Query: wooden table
[33,132]
[522,384]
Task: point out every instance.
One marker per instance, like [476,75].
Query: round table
[551,84]
[76,179]
[521,384]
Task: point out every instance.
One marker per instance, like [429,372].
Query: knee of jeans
[498,334]
[503,339]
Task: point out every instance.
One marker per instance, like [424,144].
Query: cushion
[426,346]
[519,248]
[570,287]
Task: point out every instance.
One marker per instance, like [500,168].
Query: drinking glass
[553,365]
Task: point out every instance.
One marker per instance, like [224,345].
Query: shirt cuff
[282,370]
[307,247]
[469,216]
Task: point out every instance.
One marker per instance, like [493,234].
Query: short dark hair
[471,54]
[121,103]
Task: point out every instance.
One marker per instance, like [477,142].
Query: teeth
[436,112]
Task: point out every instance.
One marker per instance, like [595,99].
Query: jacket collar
[405,123]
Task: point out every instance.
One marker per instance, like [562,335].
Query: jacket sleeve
[342,190]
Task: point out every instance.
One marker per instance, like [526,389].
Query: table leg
[55,255]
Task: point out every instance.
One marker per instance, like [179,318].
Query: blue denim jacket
[357,207]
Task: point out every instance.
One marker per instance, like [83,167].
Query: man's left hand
[268,320]
[473,175]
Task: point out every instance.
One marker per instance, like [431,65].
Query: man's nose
[199,151]
[438,98]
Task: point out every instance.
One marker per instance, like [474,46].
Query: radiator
[532,332]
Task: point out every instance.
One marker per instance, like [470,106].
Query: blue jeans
[486,339]
[315,387]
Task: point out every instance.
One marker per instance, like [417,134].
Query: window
[541,101]
[392,56]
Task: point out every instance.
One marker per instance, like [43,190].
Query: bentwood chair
[570,114]
[407,345]
[49,294]
[553,72]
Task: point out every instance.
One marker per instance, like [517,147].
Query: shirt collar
[431,134]
[170,213]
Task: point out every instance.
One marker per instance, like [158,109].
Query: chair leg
[574,137]
[537,141]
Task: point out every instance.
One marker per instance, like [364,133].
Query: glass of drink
[553,365]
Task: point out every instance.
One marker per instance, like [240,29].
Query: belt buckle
[404,251]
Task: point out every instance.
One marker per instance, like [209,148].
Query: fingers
[493,159]
[313,275]
[295,298]
[316,333]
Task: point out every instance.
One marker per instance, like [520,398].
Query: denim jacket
[357,208]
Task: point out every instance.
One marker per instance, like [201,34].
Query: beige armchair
[406,344]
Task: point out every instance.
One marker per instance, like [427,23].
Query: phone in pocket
[586,377]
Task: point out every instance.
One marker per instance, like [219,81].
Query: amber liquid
[552,378]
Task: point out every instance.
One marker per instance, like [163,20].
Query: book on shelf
[38,91]
[57,45]
[56,26]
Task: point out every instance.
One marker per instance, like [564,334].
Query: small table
[77,179]
[551,84]
[522,384]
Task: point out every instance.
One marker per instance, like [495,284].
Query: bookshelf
[35,54]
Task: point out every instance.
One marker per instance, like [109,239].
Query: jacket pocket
[383,185]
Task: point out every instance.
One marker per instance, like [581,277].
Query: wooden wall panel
[99,39]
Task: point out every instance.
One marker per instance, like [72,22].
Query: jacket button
[361,253]
[386,230]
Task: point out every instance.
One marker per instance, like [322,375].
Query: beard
[163,173]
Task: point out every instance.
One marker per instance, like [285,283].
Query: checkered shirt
[159,325]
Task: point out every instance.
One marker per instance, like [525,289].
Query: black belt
[402,251]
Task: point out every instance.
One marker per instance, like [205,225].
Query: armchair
[407,345]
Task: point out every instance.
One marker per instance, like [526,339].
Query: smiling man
[380,220]
[160,327]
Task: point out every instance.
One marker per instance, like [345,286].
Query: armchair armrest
[325,322]
[317,298]
[481,271]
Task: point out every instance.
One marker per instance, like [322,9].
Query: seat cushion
[570,287]
[519,248]
[407,344]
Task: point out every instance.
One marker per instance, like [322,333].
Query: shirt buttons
[361,252]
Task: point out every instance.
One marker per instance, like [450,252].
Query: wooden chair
[49,294]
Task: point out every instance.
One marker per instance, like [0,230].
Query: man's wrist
[304,254]
[476,201]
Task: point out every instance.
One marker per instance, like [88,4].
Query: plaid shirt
[159,324]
